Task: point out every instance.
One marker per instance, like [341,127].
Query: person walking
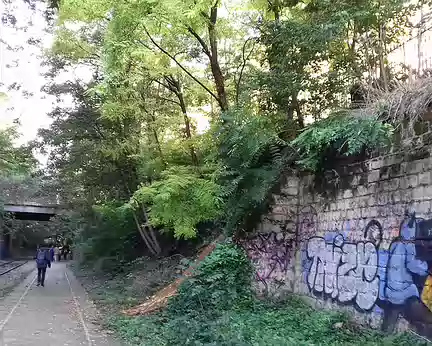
[42,262]
[51,252]
[65,251]
[56,253]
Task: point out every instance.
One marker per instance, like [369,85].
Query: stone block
[362,190]
[406,195]
[428,192]
[372,188]
[395,196]
[283,210]
[414,167]
[419,194]
[348,194]
[390,160]
[371,201]
[409,181]
[340,205]
[391,185]
[382,198]
[395,171]
[293,182]
[424,178]
[376,163]
[427,165]
[290,191]
[356,180]
[423,208]
[373,176]
[306,199]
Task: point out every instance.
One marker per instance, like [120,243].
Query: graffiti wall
[366,248]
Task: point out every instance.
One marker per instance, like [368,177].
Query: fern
[343,134]
[253,157]
[181,200]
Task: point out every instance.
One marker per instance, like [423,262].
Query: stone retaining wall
[363,244]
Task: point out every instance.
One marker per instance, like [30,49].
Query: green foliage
[341,134]
[252,156]
[180,200]
[107,233]
[216,307]
[221,280]
[301,78]
[13,159]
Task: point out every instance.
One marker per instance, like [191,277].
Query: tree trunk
[153,123]
[156,138]
[151,230]
[143,235]
[296,106]
[383,72]
[214,61]
[194,157]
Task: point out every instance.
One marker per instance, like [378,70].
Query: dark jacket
[43,258]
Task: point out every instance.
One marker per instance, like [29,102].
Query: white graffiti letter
[346,273]
[367,267]
[315,249]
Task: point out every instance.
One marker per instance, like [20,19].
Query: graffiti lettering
[345,271]
[271,254]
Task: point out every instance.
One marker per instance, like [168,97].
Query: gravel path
[57,314]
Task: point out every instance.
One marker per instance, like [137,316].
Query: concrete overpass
[28,211]
[25,211]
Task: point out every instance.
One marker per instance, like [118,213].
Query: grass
[258,324]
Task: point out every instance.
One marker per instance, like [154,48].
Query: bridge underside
[30,212]
[24,212]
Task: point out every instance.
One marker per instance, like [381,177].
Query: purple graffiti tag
[271,255]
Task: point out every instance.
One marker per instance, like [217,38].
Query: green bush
[341,134]
[222,280]
[108,233]
[216,307]
[260,323]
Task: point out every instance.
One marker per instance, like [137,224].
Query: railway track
[14,266]
[6,263]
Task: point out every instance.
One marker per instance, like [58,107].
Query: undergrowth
[217,307]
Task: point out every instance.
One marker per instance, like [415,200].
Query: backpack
[41,257]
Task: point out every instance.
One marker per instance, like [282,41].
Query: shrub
[342,133]
[222,280]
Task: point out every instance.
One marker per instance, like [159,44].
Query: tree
[14,160]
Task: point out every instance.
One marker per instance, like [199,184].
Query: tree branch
[245,59]
[169,100]
[201,41]
[180,65]
[163,84]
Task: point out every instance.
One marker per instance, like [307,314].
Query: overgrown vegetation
[216,307]
[341,134]
[192,112]
[133,144]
